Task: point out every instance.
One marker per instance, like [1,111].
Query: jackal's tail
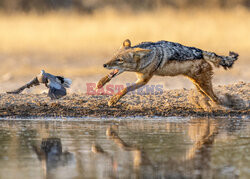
[217,60]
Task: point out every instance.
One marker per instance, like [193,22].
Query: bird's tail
[224,61]
[67,82]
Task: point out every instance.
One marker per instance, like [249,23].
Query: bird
[57,84]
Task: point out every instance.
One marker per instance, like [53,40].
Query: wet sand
[182,102]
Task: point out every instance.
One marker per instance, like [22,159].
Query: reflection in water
[139,155]
[112,167]
[197,157]
[195,148]
[50,154]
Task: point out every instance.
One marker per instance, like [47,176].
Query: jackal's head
[126,59]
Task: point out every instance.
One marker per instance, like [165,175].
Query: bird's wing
[56,93]
[33,82]
[54,84]
[56,90]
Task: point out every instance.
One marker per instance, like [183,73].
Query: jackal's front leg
[142,80]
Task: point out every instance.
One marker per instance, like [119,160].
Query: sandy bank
[181,102]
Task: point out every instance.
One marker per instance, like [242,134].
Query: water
[125,148]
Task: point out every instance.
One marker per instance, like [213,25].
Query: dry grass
[103,32]
[82,43]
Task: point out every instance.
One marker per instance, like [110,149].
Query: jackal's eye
[119,60]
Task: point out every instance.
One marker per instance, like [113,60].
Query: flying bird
[57,84]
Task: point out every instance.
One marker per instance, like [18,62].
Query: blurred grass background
[75,37]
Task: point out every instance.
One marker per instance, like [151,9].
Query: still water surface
[125,148]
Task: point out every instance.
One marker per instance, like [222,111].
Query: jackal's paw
[114,100]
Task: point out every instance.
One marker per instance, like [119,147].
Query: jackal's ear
[126,43]
[141,52]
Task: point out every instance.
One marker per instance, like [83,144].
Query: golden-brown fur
[154,59]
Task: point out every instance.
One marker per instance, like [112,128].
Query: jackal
[165,58]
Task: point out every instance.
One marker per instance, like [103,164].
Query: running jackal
[165,58]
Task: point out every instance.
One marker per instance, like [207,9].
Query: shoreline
[179,102]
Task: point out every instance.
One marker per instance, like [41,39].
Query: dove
[57,84]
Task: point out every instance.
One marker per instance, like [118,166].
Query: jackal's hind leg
[199,90]
[204,86]
[201,76]
[209,92]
